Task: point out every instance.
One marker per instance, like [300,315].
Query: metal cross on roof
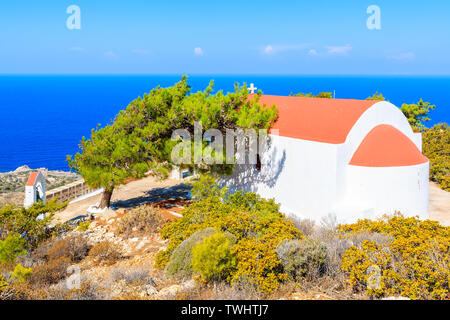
[252,88]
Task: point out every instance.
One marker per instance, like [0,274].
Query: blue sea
[43,118]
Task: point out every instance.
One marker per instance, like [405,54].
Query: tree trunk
[106,199]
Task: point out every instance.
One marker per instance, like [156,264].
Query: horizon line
[231,74]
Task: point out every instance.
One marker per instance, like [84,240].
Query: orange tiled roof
[385,146]
[316,119]
[32,178]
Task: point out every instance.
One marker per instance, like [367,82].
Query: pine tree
[139,138]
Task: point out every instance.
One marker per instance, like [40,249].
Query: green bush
[303,258]
[15,219]
[417,113]
[12,247]
[180,262]
[436,147]
[206,186]
[21,273]
[84,226]
[212,258]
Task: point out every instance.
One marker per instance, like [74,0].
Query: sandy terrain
[142,191]
[150,189]
[439,205]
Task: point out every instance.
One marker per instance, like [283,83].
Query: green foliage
[180,262]
[376,96]
[21,274]
[14,219]
[139,139]
[12,247]
[436,147]
[326,95]
[206,186]
[212,258]
[257,225]
[417,113]
[83,226]
[302,258]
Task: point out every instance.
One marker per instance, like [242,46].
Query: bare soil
[146,190]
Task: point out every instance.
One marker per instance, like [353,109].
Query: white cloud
[77,49]
[272,49]
[198,51]
[403,57]
[140,51]
[110,54]
[268,49]
[313,52]
[339,49]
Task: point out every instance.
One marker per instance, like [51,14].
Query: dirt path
[439,204]
[136,192]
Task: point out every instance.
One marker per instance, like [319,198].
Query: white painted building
[34,189]
[349,158]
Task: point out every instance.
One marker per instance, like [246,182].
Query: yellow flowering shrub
[415,264]
[258,263]
[256,224]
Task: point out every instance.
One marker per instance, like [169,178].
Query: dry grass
[136,275]
[105,251]
[142,220]
[222,291]
[75,247]
[51,272]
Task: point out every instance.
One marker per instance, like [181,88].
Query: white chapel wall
[298,174]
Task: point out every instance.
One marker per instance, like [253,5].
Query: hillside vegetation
[226,246]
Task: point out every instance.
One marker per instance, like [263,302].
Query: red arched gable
[385,146]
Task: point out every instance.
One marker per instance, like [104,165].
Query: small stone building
[34,189]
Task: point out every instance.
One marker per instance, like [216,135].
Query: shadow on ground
[180,191]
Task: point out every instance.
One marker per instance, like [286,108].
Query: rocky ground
[12,184]
[134,276]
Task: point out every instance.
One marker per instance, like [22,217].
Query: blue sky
[226,37]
